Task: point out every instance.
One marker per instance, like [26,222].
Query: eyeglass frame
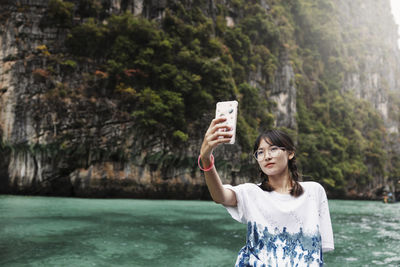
[268,152]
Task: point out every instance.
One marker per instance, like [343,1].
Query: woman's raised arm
[212,139]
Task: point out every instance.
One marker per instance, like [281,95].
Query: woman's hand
[213,138]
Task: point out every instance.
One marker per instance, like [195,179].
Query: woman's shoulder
[245,187]
[314,190]
[311,185]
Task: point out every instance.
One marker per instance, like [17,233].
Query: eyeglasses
[273,151]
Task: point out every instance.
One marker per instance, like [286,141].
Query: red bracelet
[208,168]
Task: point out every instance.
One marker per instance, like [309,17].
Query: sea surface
[48,231]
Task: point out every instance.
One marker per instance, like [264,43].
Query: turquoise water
[39,231]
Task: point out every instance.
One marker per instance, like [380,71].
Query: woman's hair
[280,139]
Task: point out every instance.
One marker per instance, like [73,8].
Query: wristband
[208,168]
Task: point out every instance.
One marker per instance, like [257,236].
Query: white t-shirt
[283,230]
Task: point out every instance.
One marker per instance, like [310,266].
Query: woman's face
[274,165]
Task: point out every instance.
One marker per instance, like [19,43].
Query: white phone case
[229,110]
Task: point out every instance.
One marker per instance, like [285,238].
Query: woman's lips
[269,165]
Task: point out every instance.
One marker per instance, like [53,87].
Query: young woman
[288,222]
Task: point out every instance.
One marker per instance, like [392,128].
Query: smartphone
[229,110]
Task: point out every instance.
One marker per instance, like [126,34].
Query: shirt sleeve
[325,222]
[238,212]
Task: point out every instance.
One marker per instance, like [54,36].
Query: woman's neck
[281,183]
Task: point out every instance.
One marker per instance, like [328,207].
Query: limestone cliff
[377,73]
[60,139]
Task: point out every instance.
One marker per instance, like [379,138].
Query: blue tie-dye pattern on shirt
[262,246]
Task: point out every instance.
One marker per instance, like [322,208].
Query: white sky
[396,13]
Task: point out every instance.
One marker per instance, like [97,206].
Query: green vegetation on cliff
[343,141]
[170,73]
[170,76]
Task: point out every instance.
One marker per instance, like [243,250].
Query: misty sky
[396,12]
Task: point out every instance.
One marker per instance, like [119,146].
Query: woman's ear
[291,155]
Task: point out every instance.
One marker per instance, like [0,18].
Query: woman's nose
[267,156]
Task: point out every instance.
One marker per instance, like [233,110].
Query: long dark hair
[280,139]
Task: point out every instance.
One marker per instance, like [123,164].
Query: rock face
[284,94]
[374,77]
[34,115]
[87,135]
[42,102]
[377,75]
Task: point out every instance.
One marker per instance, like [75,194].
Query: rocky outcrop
[374,76]
[284,94]
[59,140]
[45,116]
